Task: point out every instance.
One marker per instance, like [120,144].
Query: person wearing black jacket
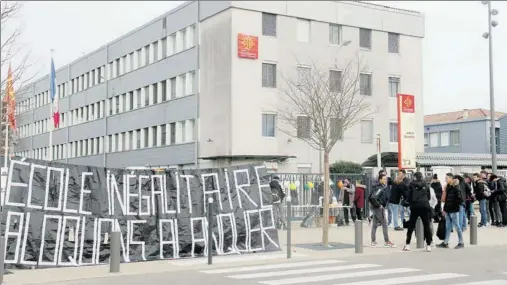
[419,196]
[277,194]
[378,200]
[480,187]
[453,197]
[398,190]
[437,187]
[499,194]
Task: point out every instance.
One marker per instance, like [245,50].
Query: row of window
[159,92]
[158,50]
[269,127]
[269,79]
[269,28]
[442,139]
[154,136]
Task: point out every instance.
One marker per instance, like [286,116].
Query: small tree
[14,53]
[320,104]
[348,167]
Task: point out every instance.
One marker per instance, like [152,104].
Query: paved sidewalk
[486,237]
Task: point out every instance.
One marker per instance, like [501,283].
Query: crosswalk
[337,272]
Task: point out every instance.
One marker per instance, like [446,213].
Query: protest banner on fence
[57,214]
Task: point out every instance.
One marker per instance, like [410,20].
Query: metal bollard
[289,226]
[419,233]
[2,256]
[473,230]
[210,232]
[114,256]
[358,230]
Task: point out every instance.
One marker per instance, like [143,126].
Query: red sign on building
[248,46]
[407,103]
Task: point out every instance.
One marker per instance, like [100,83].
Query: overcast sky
[455,55]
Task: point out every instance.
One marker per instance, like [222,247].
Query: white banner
[406,132]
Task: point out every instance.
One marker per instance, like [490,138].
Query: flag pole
[51,124]
[6,151]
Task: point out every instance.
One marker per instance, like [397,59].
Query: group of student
[450,205]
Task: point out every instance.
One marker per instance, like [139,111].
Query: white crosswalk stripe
[328,272]
[407,280]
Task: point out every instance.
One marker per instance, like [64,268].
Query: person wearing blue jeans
[480,186]
[453,197]
[398,191]
[462,217]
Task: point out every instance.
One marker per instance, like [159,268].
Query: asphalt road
[469,266]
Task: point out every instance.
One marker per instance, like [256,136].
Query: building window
[138,139]
[426,139]
[303,127]
[394,86]
[367,131]
[269,24]
[336,129]
[191,75]
[139,101]
[155,51]
[164,47]
[365,38]
[393,132]
[110,143]
[164,90]
[365,84]
[172,132]
[335,81]
[146,137]
[393,43]
[184,39]
[154,135]
[131,100]
[268,125]
[117,107]
[183,131]
[434,140]
[303,30]
[163,134]
[146,96]
[334,34]
[124,141]
[173,87]
[269,75]
[304,75]
[183,85]
[155,93]
[455,138]
[131,140]
[444,139]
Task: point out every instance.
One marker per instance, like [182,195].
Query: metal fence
[305,197]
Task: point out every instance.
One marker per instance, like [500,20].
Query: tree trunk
[325,206]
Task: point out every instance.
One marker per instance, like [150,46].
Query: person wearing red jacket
[359,200]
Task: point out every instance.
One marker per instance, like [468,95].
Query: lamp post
[488,35]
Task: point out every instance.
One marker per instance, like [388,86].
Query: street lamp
[489,36]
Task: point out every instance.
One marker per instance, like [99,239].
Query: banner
[406,132]
[57,214]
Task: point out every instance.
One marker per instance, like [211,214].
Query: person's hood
[419,184]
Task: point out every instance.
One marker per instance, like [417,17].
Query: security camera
[485,35]
[494,23]
[494,12]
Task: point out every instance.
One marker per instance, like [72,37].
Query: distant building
[466,131]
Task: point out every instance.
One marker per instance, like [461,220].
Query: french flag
[54,96]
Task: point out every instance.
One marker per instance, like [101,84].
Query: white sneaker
[428,248]
[373,244]
[406,248]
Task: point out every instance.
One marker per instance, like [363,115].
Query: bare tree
[15,54]
[320,104]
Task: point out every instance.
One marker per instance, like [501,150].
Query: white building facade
[240,98]
[175,93]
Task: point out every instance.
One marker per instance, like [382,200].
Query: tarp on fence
[57,214]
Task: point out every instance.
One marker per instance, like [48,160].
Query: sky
[455,56]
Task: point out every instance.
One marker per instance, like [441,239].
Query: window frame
[265,17]
[391,77]
[266,84]
[363,139]
[393,133]
[264,129]
[331,34]
[369,47]
[370,83]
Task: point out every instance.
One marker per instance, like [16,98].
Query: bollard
[2,256]
[289,226]
[419,233]
[114,255]
[210,232]
[358,230]
[473,230]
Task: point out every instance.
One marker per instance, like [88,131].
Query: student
[499,195]
[398,190]
[480,189]
[437,187]
[453,197]
[419,196]
[278,194]
[378,201]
